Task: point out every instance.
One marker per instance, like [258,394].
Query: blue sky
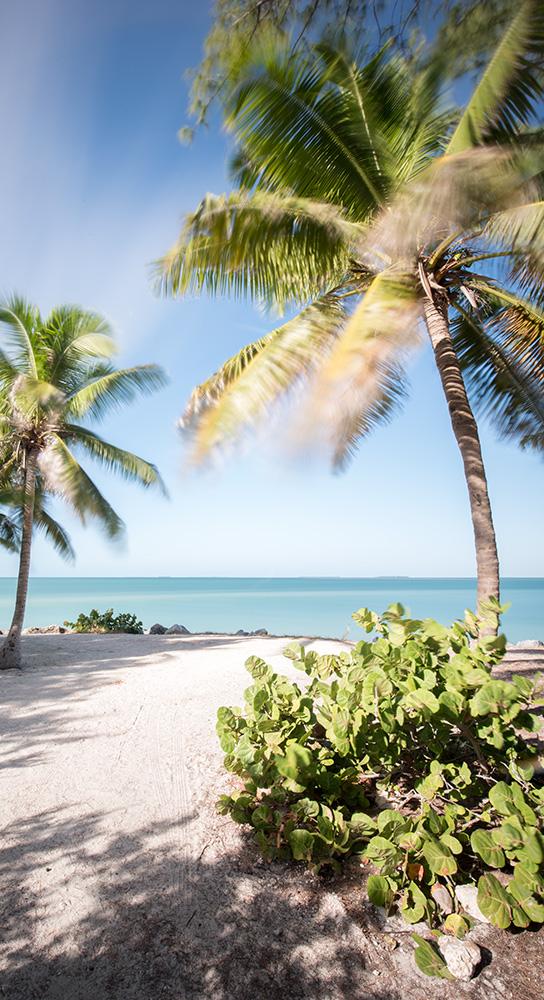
[93,185]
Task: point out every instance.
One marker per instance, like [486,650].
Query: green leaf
[376,686]
[484,844]
[296,761]
[380,891]
[413,904]
[439,857]
[429,960]
[430,786]
[509,800]
[494,901]
[422,698]
[500,797]
[453,843]
[456,925]
[509,834]
[294,651]
[521,805]
[522,887]
[533,847]
[257,667]
[326,829]
[261,816]
[492,697]
[362,825]
[383,853]
[301,843]
[390,820]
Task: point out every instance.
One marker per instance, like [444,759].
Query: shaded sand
[120,881]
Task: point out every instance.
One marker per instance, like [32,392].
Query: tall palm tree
[371,204]
[55,373]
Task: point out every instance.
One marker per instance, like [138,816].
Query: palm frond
[425,126]
[125,463]
[450,201]
[370,92]
[521,316]
[361,382]
[8,371]
[504,379]
[54,532]
[510,88]
[520,231]
[303,134]
[209,392]
[274,248]
[63,475]
[29,394]
[353,423]
[112,390]
[73,335]
[21,321]
[246,386]
[10,536]
[518,228]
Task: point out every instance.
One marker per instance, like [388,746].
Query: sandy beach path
[119,879]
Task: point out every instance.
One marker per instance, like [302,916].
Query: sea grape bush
[408,752]
[106,621]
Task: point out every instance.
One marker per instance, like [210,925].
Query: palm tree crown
[55,375]
[367,201]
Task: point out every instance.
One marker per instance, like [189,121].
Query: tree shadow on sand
[221,926]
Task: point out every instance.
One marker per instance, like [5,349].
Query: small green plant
[106,621]
[406,751]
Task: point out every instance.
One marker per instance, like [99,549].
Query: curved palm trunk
[10,653]
[467,437]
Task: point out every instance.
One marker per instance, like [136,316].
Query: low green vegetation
[106,621]
[407,752]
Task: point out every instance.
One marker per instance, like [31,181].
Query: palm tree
[366,201]
[54,374]
[11,521]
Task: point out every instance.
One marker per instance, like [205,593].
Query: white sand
[119,879]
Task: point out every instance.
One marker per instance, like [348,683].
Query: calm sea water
[290,606]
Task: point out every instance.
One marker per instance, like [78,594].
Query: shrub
[407,752]
[106,621]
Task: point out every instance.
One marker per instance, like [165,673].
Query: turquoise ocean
[285,606]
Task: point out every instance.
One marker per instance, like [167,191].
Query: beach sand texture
[120,880]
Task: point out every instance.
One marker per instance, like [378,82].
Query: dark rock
[242,631]
[177,630]
[45,630]
[260,631]
[157,629]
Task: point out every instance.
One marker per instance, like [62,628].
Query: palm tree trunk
[10,653]
[467,437]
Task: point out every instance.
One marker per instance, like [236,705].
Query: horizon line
[169,576]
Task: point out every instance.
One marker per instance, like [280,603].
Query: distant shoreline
[468,579]
[530,645]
